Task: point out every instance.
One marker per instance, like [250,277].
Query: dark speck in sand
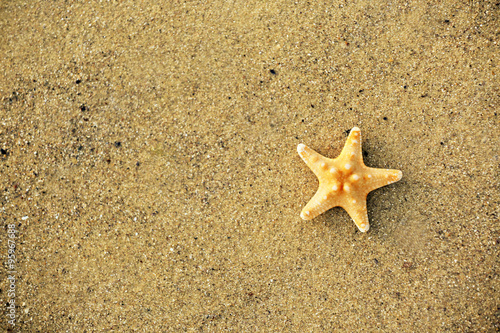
[273,71]
[118,144]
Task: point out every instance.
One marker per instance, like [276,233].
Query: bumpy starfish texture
[344,181]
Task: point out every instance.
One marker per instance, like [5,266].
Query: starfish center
[343,180]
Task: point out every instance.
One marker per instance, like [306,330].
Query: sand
[150,177]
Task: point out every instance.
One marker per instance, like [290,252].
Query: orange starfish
[344,181]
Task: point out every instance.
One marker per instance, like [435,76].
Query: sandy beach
[150,180]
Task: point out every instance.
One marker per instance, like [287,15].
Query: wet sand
[149,168]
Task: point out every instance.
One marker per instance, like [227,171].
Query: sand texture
[149,166]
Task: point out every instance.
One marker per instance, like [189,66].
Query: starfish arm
[352,148]
[319,203]
[359,214]
[316,162]
[376,178]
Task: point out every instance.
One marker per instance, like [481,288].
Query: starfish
[344,181]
